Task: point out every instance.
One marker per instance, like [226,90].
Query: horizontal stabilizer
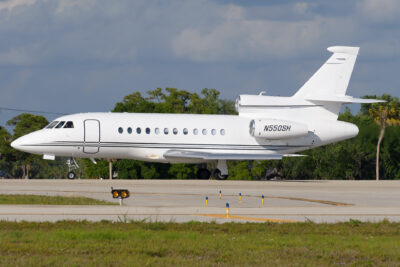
[184,154]
[345,99]
[344,50]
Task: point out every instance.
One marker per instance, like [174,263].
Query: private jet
[266,127]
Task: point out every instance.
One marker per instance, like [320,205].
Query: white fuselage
[107,135]
[267,127]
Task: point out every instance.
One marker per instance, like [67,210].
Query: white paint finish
[49,157]
[237,139]
[91,136]
[313,110]
[277,129]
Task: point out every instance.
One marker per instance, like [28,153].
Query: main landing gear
[72,165]
[220,173]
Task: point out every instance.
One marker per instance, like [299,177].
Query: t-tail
[321,97]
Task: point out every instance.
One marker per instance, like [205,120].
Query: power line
[32,111]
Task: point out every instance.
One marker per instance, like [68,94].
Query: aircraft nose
[23,143]
[16,143]
[29,143]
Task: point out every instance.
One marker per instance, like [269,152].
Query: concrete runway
[184,200]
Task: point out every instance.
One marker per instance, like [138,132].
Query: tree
[5,150]
[23,124]
[170,100]
[384,114]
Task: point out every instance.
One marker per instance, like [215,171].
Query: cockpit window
[69,124]
[51,125]
[60,124]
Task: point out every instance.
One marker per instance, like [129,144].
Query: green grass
[199,244]
[50,200]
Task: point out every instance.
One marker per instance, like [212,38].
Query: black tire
[203,174]
[71,176]
[219,176]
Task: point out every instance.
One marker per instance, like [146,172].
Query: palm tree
[384,114]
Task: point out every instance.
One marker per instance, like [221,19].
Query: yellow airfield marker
[240,197]
[227,210]
[220,194]
[262,200]
[206,201]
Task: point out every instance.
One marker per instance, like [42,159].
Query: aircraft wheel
[71,175]
[203,174]
[219,176]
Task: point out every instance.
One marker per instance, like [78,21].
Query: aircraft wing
[226,156]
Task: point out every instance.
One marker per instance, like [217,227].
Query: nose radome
[22,143]
[16,143]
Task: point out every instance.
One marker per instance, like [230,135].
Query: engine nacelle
[277,129]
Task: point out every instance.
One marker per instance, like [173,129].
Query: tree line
[374,153]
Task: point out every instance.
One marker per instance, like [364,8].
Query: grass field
[197,244]
[50,200]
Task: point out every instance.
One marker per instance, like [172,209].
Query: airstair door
[91,141]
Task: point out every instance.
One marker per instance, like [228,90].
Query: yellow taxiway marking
[223,216]
[333,203]
[327,202]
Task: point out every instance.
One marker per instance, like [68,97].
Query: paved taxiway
[184,200]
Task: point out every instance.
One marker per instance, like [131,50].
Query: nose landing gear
[72,165]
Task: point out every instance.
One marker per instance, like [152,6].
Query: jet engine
[277,129]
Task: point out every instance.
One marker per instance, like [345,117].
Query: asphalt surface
[184,200]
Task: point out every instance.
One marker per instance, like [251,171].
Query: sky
[73,56]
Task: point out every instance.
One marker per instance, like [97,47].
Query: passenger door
[91,139]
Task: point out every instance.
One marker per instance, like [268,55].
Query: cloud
[75,50]
[65,5]
[15,56]
[241,38]
[379,11]
[11,4]
[301,8]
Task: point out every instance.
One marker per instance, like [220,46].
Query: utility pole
[110,168]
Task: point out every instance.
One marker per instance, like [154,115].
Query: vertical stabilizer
[333,77]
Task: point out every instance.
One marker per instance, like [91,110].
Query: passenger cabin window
[51,125]
[185,131]
[195,131]
[129,130]
[69,124]
[120,130]
[166,131]
[204,131]
[222,132]
[60,124]
[175,131]
[147,130]
[138,130]
[213,131]
[157,131]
